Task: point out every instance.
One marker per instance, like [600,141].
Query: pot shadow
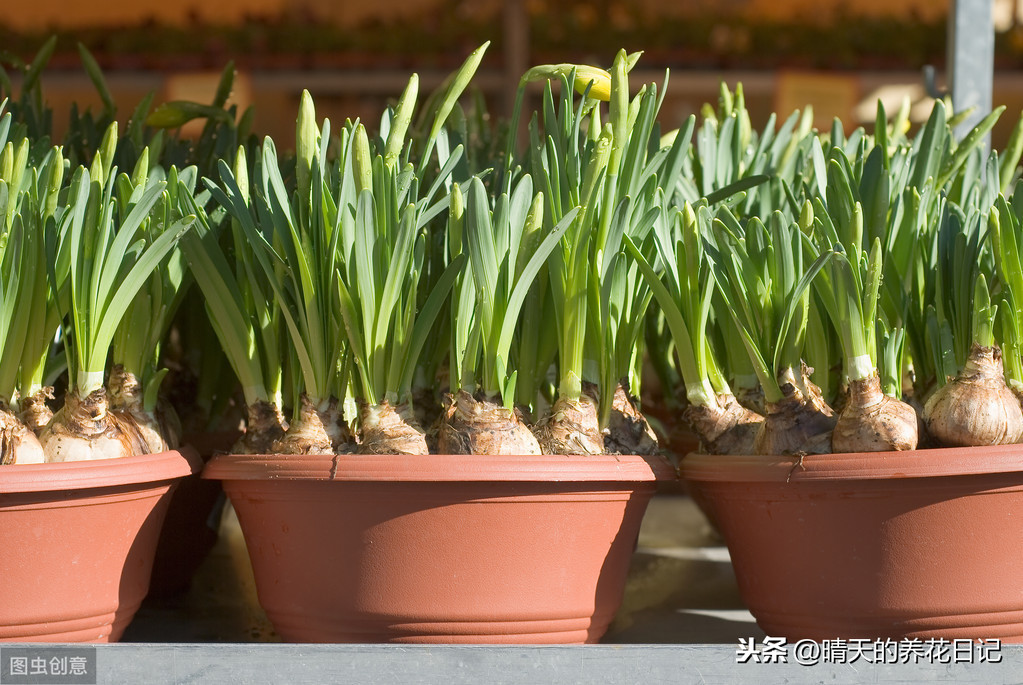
[685,600]
[219,605]
[188,534]
[138,565]
[192,524]
[680,587]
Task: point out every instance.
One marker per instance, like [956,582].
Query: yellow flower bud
[601,88]
[584,75]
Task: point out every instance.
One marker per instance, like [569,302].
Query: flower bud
[584,76]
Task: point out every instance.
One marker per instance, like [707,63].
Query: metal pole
[971,58]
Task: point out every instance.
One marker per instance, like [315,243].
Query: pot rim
[99,473]
[440,468]
[927,463]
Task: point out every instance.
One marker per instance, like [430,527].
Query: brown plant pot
[77,542]
[443,548]
[922,544]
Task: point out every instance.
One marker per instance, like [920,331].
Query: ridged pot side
[826,550]
[76,558]
[443,561]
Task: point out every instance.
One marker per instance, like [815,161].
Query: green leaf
[397,275]
[426,318]
[796,298]
[479,234]
[42,58]
[1011,155]
[115,254]
[736,187]
[972,140]
[455,85]
[96,76]
[525,280]
[121,299]
[929,144]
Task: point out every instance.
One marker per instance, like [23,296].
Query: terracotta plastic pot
[922,544]
[440,548]
[77,542]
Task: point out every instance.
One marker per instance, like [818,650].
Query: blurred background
[838,55]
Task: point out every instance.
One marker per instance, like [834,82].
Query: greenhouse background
[839,57]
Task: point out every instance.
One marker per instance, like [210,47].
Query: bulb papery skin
[871,421]
[724,426]
[264,426]
[387,429]
[18,444]
[125,397]
[800,423]
[314,431]
[752,399]
[628,431]
[976,407]
[478,425]
[35,413]
[84,429]
[571,427]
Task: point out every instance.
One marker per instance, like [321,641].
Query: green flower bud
[306,143]
[177,113]
[400,123]
[363,161]
[456,221]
